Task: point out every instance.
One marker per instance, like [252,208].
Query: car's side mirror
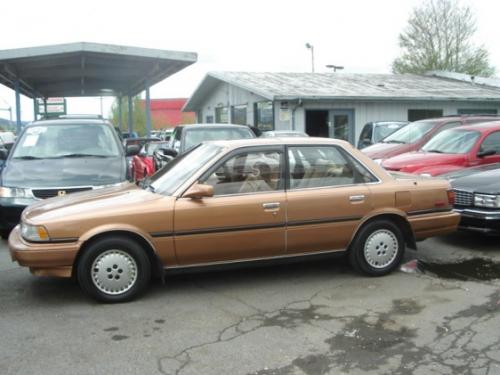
[482,154]
[3,154]
[199,191]
[131,150]
[169,152]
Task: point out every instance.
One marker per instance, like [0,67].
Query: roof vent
[381,85]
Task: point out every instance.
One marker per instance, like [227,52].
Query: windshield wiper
[436,151]
[80,156]
[394,141]
[27,157]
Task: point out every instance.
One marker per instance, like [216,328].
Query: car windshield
[411,133]
[452,141]
[382,131]
[68,140]
[168,179]
[195,136]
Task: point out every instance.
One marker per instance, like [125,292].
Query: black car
[58,157]
[374,132]
[186,137]
[477,198]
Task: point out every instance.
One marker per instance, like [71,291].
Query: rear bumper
[48,259]
[434,224]
[479,220]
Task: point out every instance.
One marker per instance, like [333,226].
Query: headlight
[425,175]
[486,200]
[34,233]
[6,192]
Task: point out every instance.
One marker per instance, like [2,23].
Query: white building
[334,105]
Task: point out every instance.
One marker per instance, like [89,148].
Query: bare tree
[439,36]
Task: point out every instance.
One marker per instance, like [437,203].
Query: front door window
[245,173]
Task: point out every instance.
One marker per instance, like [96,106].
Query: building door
[342,124]
[317,123]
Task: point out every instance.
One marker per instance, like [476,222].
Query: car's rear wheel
[377,248]
[114,269]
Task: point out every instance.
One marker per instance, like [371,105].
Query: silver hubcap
[114,272]
[381,248]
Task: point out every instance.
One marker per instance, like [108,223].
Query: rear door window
[323,166]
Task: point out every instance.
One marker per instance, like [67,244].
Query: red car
[142,163]
[452,149]
[414,135]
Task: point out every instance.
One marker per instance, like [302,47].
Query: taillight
[451,197]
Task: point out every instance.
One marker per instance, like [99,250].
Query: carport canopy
[88,69]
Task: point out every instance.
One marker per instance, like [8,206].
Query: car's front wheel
[377,248]
[114,269]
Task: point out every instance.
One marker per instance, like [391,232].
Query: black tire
[378,248]
[110,262]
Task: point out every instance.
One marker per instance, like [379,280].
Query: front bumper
[47,259]
[479,220]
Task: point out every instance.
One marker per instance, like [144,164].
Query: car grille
[463,198]
[49,193]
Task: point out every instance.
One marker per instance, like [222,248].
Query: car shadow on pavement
[256,276]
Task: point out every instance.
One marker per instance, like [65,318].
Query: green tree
[439,36]
[138,115]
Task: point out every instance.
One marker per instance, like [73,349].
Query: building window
[209,119]
[264,115]
[421,114]
[221,115]
[239,114]
[476,111]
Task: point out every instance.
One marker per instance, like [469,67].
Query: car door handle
[271,206]
[356,198]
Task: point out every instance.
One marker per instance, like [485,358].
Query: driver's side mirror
[482,154]
[3,154]
[132,150]
[199,191]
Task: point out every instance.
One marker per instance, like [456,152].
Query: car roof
[278,141]
[191,126]
[482,126]
[69,122]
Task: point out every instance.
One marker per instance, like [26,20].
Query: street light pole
[311,47]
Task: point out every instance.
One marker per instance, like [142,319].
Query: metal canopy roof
[88,69]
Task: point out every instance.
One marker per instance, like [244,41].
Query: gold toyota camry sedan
[233,201]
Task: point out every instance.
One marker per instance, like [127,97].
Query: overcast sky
[227,35]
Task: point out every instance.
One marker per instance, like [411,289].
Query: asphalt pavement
[440,315]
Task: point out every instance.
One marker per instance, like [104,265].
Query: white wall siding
[228,95]
[384,111]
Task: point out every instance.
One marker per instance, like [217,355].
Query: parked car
[135,144]
[477,198]
[186,137]
[283,133]
[452,149]
[234,201]
[376,131]
[7,140]
[142,163]
[414,135]
[58,157]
